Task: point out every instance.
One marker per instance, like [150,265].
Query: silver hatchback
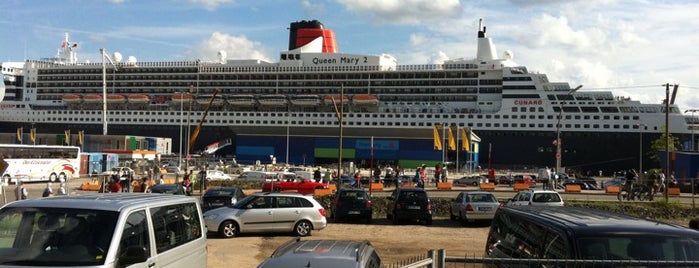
[268,212]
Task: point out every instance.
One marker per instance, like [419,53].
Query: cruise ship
[291,111]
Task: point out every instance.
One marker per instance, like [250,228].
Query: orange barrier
[376,187]
[487,186]
[332,187]
[573,188]
[673,191]
[444,186]
[322,192]
[90,186]
[521,186]
[612,189]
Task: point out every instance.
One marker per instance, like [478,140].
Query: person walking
[47,191]
[187,183]
[21,192]
[62,189]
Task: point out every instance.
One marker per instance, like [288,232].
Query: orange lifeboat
[137,98]
[114,98]
[72,98]
[365,100]
[182,98]
[328,99]
[92,98]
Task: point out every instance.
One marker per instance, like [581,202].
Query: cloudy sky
[629,47]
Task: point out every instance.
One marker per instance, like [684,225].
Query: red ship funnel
[303,32]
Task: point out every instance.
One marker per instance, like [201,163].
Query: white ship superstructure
[510,108]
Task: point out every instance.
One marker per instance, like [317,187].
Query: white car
[536,198]
[268,212]
[470,206]
[217,175]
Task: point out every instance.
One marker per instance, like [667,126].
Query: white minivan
[103,230]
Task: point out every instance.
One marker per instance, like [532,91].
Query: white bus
[40,162]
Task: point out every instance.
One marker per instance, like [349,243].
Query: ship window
[605,126]
[549,125]
[514,116]
[522,125]
[514,109]
[505,125]
[487,124]
[496,125]
[505,117]
[523,109]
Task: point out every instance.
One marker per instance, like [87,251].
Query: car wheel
[428,221]
[53,177]
[462,220]
[368,219]
[228,229]
[451,215]
[394,219]
[303,228]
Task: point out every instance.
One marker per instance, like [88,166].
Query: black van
[530,232]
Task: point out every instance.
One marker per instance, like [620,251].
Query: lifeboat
[328,99]
[205,99]
[160,99]
[72,99]
[365,100]
[305,100]
[92,98]
[182,98]
[242,100]
[137,98]
[272,100]
[115,98]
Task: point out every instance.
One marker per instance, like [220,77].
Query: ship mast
[104,88]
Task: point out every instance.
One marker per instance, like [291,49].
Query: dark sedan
[177,189]
[220,197]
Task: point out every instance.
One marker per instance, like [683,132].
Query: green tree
[659,145]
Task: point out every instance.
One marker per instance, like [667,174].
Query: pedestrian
[423,175]
[445,176]
[187,183]
[437,174]
[62,189]
[160,180]
[115,186]
[21,192]
[317,175]
[47,191]
[146,184]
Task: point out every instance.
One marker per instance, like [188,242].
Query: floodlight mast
[104,88]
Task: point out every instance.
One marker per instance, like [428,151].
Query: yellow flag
[81,135]
[32,134]
[465,139]
[19,134]
[452,141]
[437,139]
[67,134]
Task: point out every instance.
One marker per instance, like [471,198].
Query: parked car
[299,185]
[587,234]
[471,206]
[614,182]
[175,188]
[536,198]
[217,175]
[504,179]
[103,230]
[469,180]
[220,197]
[409,204]
[323,253]
[524,179]
[584,184]
[268,212]
[352,203]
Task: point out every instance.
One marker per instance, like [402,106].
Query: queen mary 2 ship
[289,110]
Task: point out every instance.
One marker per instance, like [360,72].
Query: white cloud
[236,47]
[439,58]
[417,39]
[404,11]
[312,8]
[211,5]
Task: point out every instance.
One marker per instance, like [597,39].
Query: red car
[302,186]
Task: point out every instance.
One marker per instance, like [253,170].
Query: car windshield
[243,202]
[55,236]
[622,247]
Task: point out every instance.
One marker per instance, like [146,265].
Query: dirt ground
[392,242]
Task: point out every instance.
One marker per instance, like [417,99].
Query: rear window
[486,198]
[638,248]
[410,195]
[546,197]
[352,195]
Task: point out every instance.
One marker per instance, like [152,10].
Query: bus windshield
[40,162]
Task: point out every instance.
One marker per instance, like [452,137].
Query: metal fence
[438,259]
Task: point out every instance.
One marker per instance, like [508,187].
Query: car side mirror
[133,254]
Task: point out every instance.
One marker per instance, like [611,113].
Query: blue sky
[630,47]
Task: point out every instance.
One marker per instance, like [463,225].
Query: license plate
[484,209]
[216,203]
[353,212]
[413,207]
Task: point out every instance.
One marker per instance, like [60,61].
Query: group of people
[21,192]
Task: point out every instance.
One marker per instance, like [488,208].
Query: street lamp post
[640,147]
[692,123]
[558,128]
[179,161]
